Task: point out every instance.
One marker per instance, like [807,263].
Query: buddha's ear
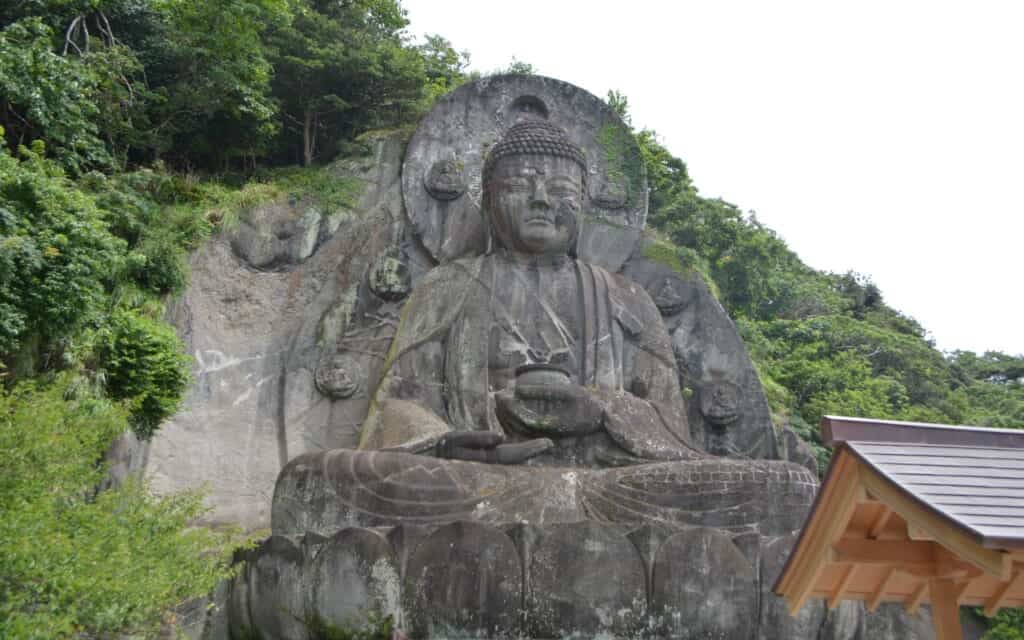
[574,242]
[485,217]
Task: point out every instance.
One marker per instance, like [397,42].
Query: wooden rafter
[844,584]
[913,603]
[882,519]
[880,591]
[990,561]
[999,597]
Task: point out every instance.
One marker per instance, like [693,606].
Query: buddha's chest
[535,318]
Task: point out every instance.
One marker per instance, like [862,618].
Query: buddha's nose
[540,195]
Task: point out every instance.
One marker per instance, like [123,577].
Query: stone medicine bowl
[542,374]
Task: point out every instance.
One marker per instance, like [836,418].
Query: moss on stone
[623,160]
[376,627]
[686,262]
[665,254]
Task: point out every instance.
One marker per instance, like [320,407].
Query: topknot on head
[534,136]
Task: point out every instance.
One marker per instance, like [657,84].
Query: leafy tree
[444,66]
[342,68]
[57,263]
[209,71]
[48,97]
[667,176]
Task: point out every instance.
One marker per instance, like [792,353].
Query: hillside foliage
[825,343]
[133,129]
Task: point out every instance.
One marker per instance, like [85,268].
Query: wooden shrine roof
[903,504]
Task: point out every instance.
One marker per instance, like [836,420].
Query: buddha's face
[534,203]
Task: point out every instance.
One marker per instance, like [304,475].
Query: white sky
[886,137]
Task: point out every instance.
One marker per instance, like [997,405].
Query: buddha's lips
[544,219]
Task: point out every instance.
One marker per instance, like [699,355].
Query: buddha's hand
[555,409]
[486,446]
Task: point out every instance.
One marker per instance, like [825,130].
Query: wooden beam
[995,603]
[915,532]
[880,521]
[837,594]
[886,552]
[945,610]
[883,586]
[913,603]
[996,563]
[815,551]
[961,590]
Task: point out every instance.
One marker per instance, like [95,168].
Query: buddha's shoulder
[626,290]
[448,279]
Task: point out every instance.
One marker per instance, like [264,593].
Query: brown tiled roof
[972,477]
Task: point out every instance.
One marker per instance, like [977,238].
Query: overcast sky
[881,137]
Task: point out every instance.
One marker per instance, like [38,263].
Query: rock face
[264,300]
[630,527]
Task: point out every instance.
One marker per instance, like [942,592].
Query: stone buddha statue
[526,354]
[527,385]
[535,455]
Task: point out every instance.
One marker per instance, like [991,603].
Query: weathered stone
[703,587]
[238,594]
[845,622]
[278,592]
[586,580]
[127,456]
[727,409]
[255,338]
[278,234]
[792,448]
[354,574]
[775,621]
[464,581]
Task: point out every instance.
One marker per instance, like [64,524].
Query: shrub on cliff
[143,365]
[76,563]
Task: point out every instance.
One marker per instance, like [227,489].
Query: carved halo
[452,142]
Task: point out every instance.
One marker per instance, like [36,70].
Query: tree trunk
[308,137]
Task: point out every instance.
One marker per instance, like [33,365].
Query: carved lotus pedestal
[465,550]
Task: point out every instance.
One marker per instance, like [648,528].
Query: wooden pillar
[945,609]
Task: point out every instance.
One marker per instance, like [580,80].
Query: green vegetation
[1007,625]
[624,166]
[77,562]
[376,627]
[822,342]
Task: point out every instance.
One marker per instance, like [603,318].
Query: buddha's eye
[563,190]
[515,184]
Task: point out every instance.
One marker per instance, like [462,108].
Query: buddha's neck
[532,259]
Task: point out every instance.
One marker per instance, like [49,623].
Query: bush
[1008,624]
[159,265]
[143,364]
[74,563]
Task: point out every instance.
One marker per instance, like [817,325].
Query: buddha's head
[533,188]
